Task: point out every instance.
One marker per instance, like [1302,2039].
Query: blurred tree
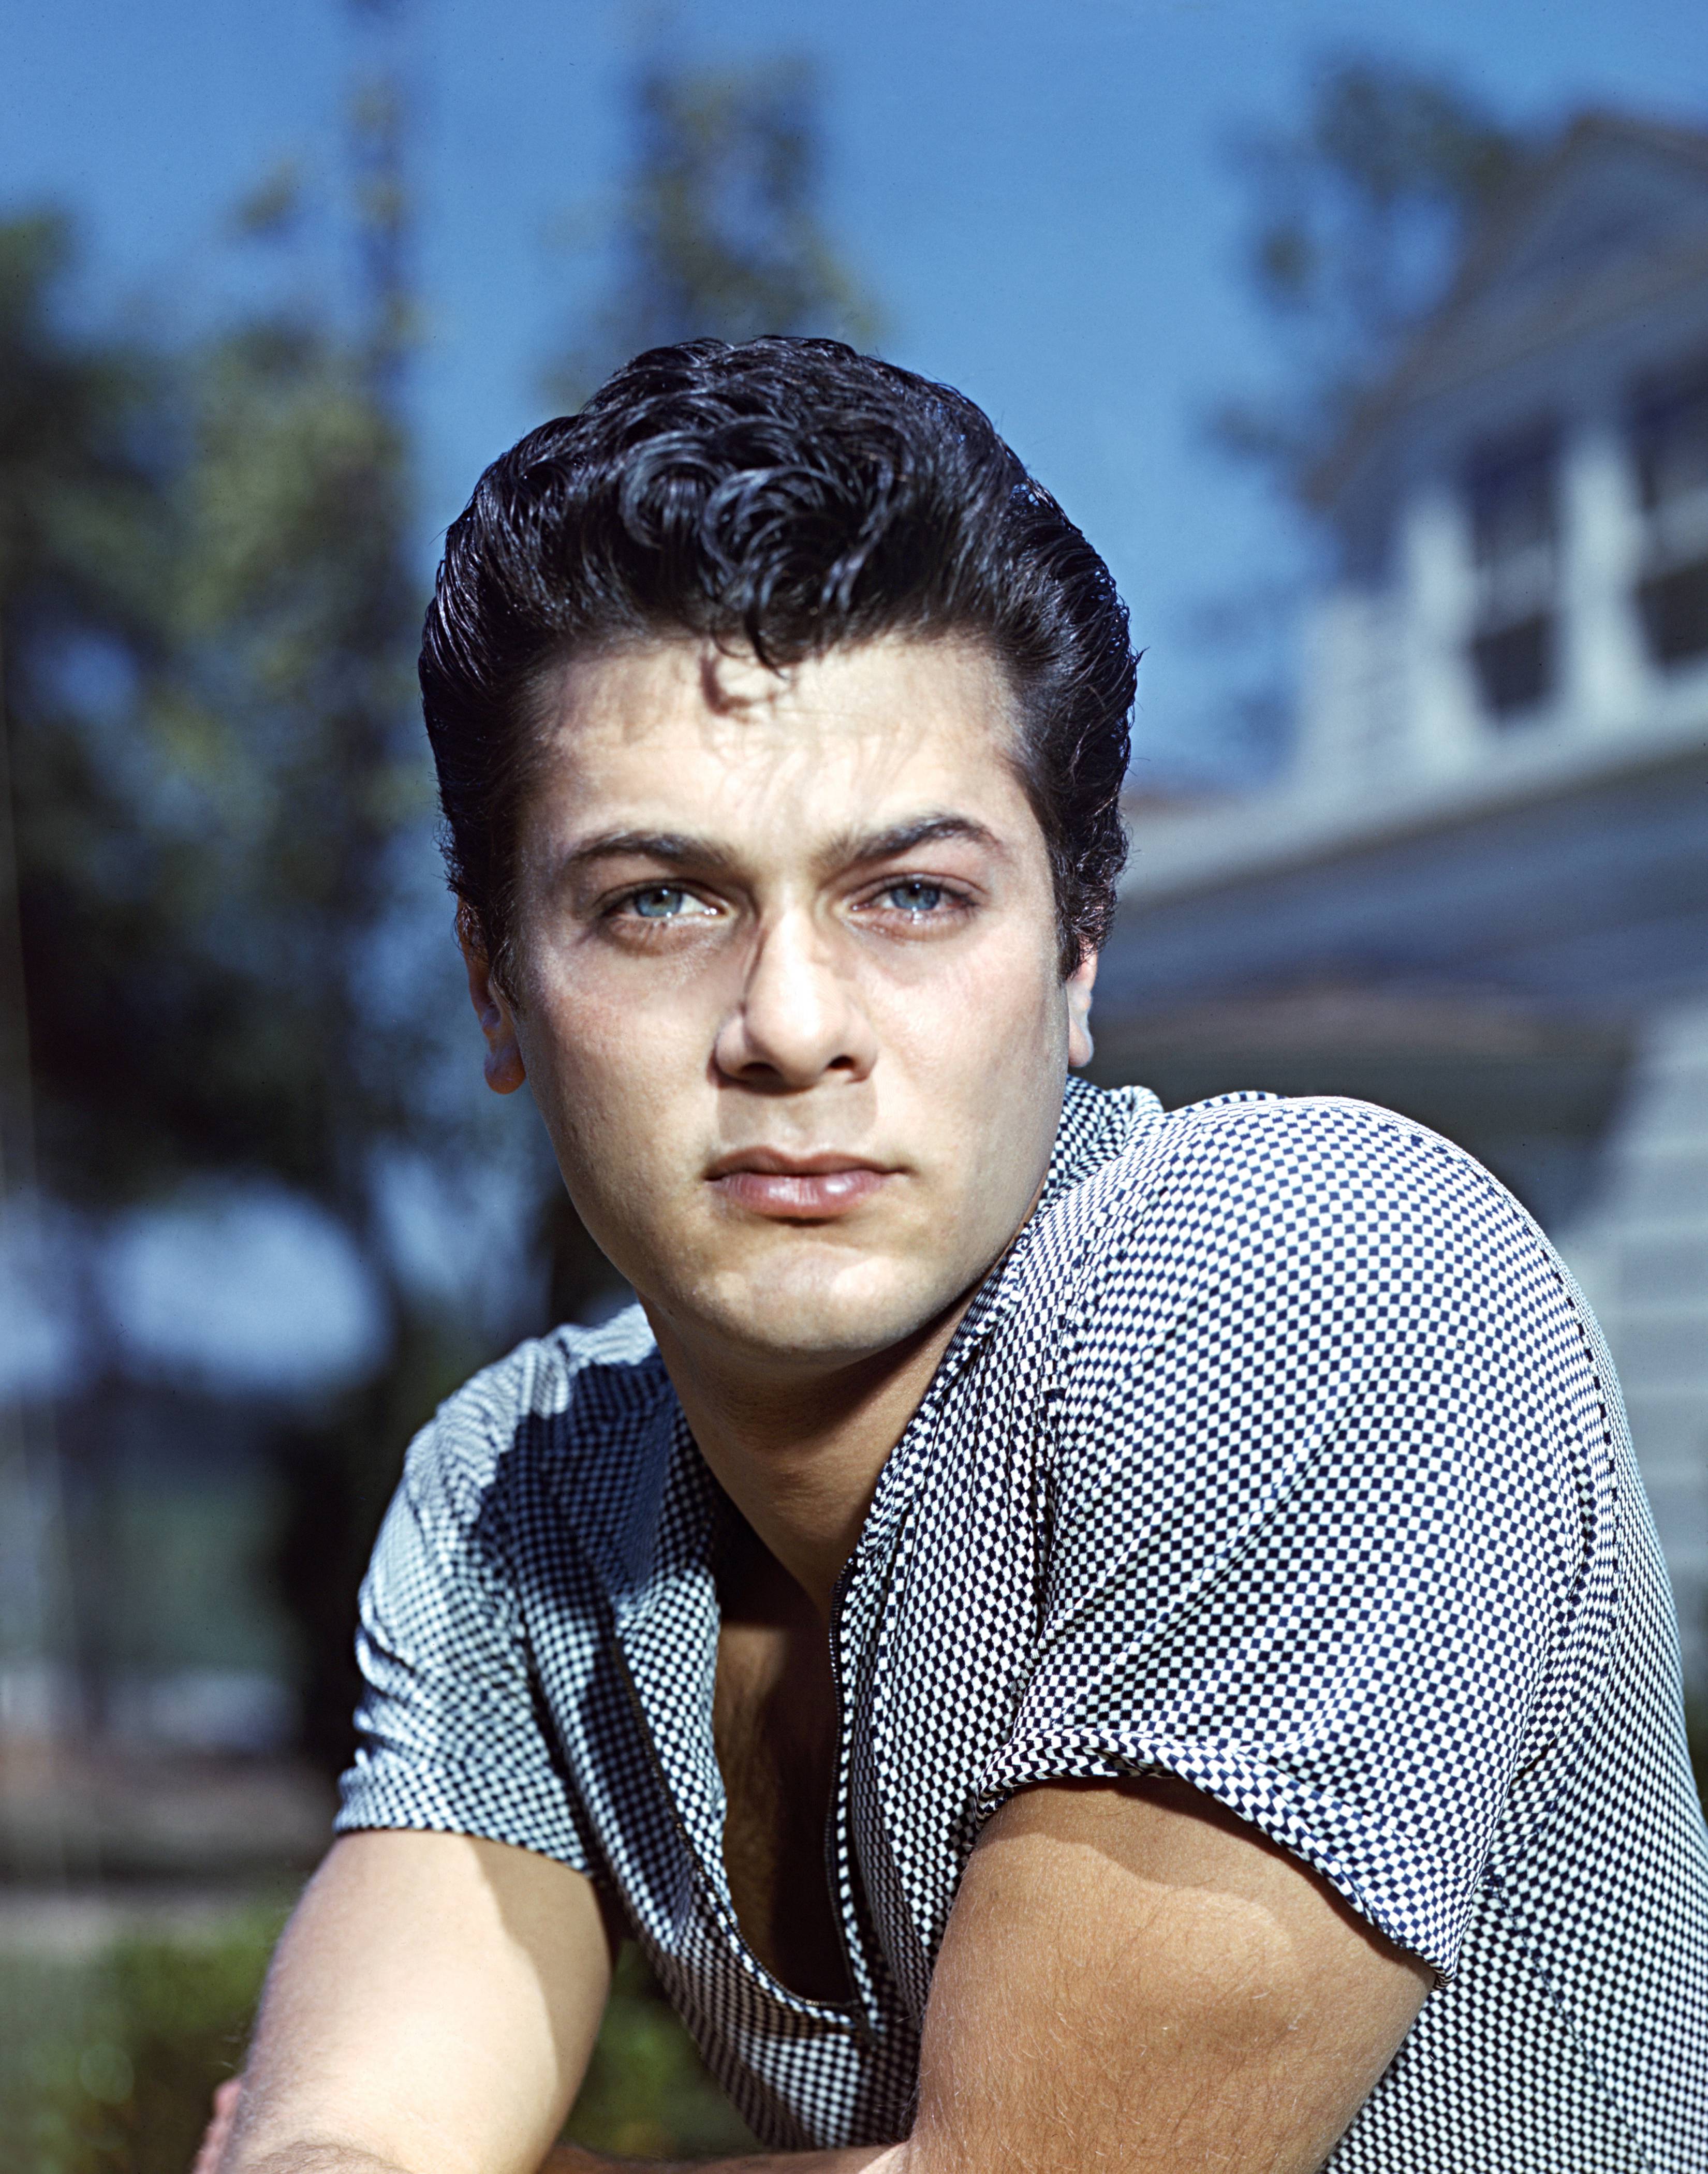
[1358,218]
[205,805]
[210,602]
[299,613]
[84,561]
[719,233]
[208,612]
[209,609]
[84,558]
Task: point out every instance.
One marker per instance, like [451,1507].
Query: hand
[218,2134]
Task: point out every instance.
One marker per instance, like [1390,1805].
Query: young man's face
[789,995]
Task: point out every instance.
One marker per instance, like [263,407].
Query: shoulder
[1267,1171]
[1319,1302]
[551,1406]
[1314,1225]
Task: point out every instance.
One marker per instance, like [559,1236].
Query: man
[1073,1636]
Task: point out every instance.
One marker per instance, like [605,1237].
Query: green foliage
[207,693]
[1380,146]
[109,2067]
[296,628]
[718,235]
[77,474]
[82,578]
[1358,219]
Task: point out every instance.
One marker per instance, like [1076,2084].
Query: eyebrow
[681,849]
[851,848]
[676,848]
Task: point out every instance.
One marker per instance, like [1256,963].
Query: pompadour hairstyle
[789,496]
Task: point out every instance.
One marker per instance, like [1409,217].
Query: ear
[505,1069]
[1078,986]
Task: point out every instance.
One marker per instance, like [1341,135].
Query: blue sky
[1037,192]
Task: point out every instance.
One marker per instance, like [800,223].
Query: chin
[814,1317]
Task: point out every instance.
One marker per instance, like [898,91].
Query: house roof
[1611,220]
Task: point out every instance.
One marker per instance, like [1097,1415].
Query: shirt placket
[665,1640]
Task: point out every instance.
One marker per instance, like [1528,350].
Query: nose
[797,1017]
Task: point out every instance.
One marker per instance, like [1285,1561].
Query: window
[1674,608]
[1670,446]
[1511,496]
[1514,666]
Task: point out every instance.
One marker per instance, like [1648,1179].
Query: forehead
[672,733]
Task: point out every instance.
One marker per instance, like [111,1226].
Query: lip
[797,1189]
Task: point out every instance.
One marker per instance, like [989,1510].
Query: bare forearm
[223,2150]
[311,2158]
[859,2159]
[568,2159]
[332,2158]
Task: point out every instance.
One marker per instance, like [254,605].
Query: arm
[430,2010]
[1132,1979]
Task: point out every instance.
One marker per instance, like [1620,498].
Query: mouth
[795,1188]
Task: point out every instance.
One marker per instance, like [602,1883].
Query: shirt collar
[1096,1124]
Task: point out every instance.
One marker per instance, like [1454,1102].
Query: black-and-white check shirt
[1277,1453]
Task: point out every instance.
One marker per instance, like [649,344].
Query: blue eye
[661,902]
[665,902]
[916,897]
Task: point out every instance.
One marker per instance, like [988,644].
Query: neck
[800,1454]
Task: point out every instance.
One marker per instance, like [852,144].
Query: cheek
[609,1061]
[982,1018]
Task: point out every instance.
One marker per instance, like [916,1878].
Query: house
[1480,893]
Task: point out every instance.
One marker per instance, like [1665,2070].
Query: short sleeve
[452,1735]
[1320,1516]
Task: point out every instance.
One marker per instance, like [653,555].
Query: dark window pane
[1514,666]
[1509,491]
[1675,613]
[1669,432]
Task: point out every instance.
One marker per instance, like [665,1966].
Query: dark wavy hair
[789,496]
